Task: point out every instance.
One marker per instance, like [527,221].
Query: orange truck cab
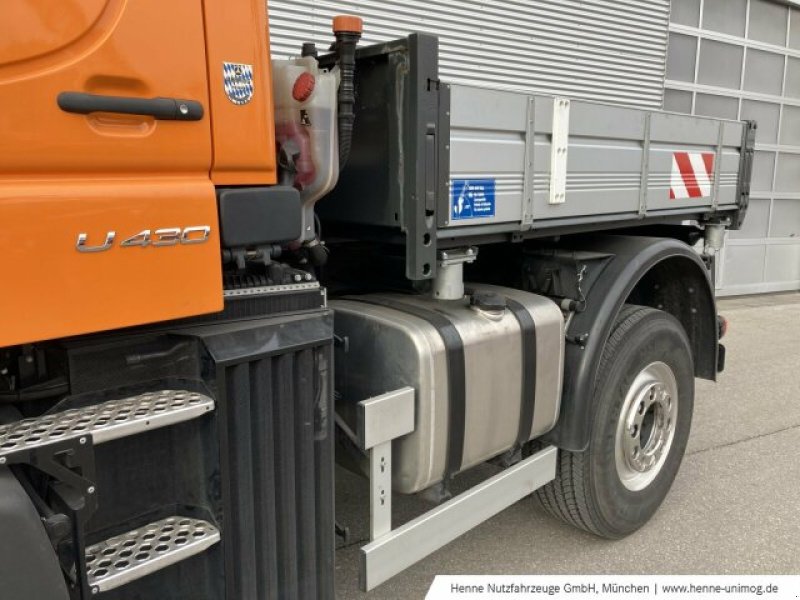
[76,163]
[138,167]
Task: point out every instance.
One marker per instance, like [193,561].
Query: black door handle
[166,109]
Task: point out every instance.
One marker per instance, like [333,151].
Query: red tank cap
[303,87]
[347,24]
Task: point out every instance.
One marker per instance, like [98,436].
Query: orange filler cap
[347,24]
[303,87]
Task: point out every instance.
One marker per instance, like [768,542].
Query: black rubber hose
[346,52]
[40,392]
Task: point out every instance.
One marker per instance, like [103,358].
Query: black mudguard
[660,272]
[29,567]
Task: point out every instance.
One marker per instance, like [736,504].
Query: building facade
[740,59]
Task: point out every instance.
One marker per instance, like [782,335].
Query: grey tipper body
[618,159]
[389,348]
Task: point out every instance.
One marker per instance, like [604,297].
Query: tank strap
[528,404]
[456,375]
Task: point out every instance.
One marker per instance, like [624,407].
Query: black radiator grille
[277,475]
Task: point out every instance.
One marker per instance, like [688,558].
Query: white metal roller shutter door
[741,59]
[605,50]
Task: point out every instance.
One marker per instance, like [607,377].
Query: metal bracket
[70,463]
[530,146]
[380,420]
[645,180]
[449,281]
[389,416]
[745,172]
[717,166]
[559,145]
[457,256]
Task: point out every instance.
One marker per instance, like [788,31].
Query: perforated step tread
[132,555]
[106,421]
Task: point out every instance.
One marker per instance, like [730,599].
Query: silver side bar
[398,549]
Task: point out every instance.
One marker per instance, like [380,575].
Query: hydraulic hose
[43,391]
[347,30]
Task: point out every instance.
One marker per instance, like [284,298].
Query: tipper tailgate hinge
[745,173]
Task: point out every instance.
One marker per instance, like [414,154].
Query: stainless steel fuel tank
[470,404]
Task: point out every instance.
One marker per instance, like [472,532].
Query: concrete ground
[734,507]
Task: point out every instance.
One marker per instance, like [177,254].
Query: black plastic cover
[259,215]
[275,423]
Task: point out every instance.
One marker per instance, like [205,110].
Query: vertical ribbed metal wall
[606,50]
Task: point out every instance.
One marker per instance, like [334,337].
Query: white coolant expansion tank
[306,130]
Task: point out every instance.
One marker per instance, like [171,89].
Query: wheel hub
[646,425]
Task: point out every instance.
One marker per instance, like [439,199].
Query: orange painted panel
[141,48]
[62,174]
[51,290]
[243,134]
[56,27]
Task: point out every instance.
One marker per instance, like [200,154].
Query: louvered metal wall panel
[605,50]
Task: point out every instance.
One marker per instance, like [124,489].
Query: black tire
[588,491]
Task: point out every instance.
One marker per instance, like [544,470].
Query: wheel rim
[646,426]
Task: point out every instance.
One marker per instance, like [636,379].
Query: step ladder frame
[69,460]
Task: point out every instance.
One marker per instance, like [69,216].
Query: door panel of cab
[62,174]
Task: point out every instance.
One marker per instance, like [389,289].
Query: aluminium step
[105,421]
[145,550]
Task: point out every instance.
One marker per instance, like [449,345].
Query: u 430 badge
[170,236]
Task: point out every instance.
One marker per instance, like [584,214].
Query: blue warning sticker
[472,198]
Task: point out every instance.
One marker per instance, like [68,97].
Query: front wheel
[642,413]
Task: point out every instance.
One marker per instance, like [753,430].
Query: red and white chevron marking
[692,174]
